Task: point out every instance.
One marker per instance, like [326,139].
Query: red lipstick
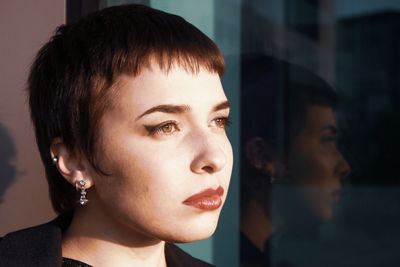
[209,199]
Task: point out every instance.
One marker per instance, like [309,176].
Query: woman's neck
[97,240]
[255,224]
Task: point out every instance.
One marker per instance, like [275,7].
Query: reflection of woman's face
[316,164]
[164,141]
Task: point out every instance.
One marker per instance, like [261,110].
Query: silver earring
[54,160]
[81,186]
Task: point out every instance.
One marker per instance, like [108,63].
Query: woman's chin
[193,233]
[192,237]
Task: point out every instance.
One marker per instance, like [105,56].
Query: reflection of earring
[82,200]
[54,160]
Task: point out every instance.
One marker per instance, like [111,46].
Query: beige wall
[25,25]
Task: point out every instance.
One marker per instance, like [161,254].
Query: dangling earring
[81,186]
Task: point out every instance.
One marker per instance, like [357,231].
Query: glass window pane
[320,127]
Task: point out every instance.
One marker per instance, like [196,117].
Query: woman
[292,170]
[130,119]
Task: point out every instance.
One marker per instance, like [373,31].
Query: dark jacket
[41,246]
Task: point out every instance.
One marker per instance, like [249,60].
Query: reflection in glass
[290,183]
[354,46]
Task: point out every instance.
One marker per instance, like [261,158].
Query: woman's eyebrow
[176,109]
[166,109]
[222,105]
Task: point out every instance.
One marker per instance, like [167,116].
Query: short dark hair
[275,97]
[71,80]
[278,94]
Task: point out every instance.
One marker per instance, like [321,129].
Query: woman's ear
[70,163]
[261,155]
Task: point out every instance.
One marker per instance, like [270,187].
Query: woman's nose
[211,155]
[343,168]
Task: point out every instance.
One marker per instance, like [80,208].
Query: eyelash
[159,128]
[221,122]
[225,122]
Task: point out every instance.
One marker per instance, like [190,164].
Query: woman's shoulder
[35,246]
[41,246]
[176,257]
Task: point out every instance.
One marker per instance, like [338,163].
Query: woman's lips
[336,195]
[209,199]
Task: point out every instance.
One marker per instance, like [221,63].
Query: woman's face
[316,165]
[163,142]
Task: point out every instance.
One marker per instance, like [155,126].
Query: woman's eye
[168,128]
[328,139]
[165,128]
[222,122]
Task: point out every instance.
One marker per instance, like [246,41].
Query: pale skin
[162,141]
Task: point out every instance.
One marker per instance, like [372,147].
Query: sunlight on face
[162,142]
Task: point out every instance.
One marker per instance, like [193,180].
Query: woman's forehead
[153,86]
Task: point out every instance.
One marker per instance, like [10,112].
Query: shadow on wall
[7,156]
